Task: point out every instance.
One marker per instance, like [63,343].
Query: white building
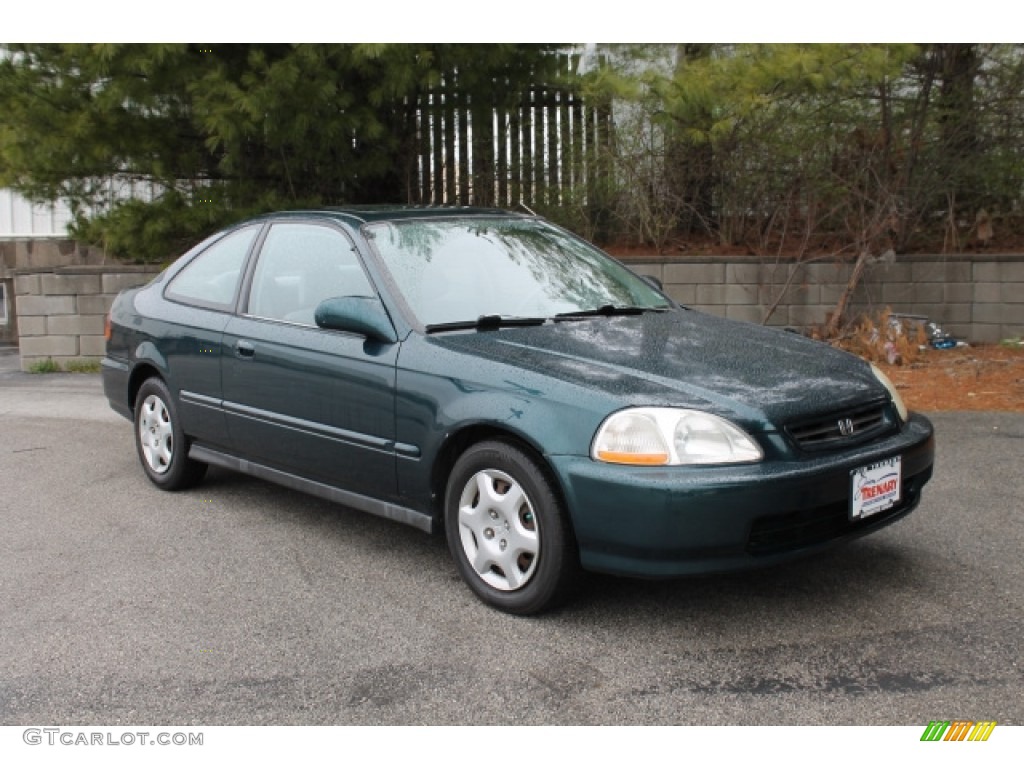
[20,219]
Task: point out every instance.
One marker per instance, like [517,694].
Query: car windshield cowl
[485,323]
[607,310]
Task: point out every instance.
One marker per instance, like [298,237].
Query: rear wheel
[161,444]
[507,529]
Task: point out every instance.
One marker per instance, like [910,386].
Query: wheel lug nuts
[503,545]
[488,533]
[494,515]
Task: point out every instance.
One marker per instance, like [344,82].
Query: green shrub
[49,365]
[82,366]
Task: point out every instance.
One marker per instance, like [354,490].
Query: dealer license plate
[875,488]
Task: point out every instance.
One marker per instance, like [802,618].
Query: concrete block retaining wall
[46,254]
[61,312]
[978,298]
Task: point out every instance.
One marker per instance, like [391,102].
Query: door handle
[244,349]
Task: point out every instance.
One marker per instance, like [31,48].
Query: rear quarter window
[211,279]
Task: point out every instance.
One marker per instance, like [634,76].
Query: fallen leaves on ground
[976,378]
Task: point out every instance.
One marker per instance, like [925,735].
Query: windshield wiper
[485,323]
[607,310]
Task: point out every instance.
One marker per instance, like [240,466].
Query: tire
[508,531]
[160,441]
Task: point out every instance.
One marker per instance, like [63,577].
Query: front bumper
[675,521]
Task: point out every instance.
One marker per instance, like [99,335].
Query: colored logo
[872,488]
[958,730]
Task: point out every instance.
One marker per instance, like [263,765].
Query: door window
[299,266]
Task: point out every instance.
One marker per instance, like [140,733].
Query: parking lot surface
[243,603]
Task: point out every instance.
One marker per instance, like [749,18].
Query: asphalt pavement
[239,602]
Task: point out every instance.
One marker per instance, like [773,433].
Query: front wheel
[507,530]
[161,443]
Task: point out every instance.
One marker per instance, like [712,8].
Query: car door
[317,403]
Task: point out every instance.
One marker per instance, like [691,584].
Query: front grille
[808,527]
[841,429]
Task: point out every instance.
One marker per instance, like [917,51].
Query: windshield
[453,270]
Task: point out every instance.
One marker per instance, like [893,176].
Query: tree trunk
[832,326]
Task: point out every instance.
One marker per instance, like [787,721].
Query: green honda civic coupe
[489,375]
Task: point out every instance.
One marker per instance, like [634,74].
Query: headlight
[660,436]
[893,393]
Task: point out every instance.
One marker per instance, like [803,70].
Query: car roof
[364,214]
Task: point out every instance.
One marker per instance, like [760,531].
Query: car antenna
[526,208]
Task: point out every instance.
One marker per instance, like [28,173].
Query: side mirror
[364,315]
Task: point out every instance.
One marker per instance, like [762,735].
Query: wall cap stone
[104,269]
[754,259]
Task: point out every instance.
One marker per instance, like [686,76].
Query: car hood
[685,358]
